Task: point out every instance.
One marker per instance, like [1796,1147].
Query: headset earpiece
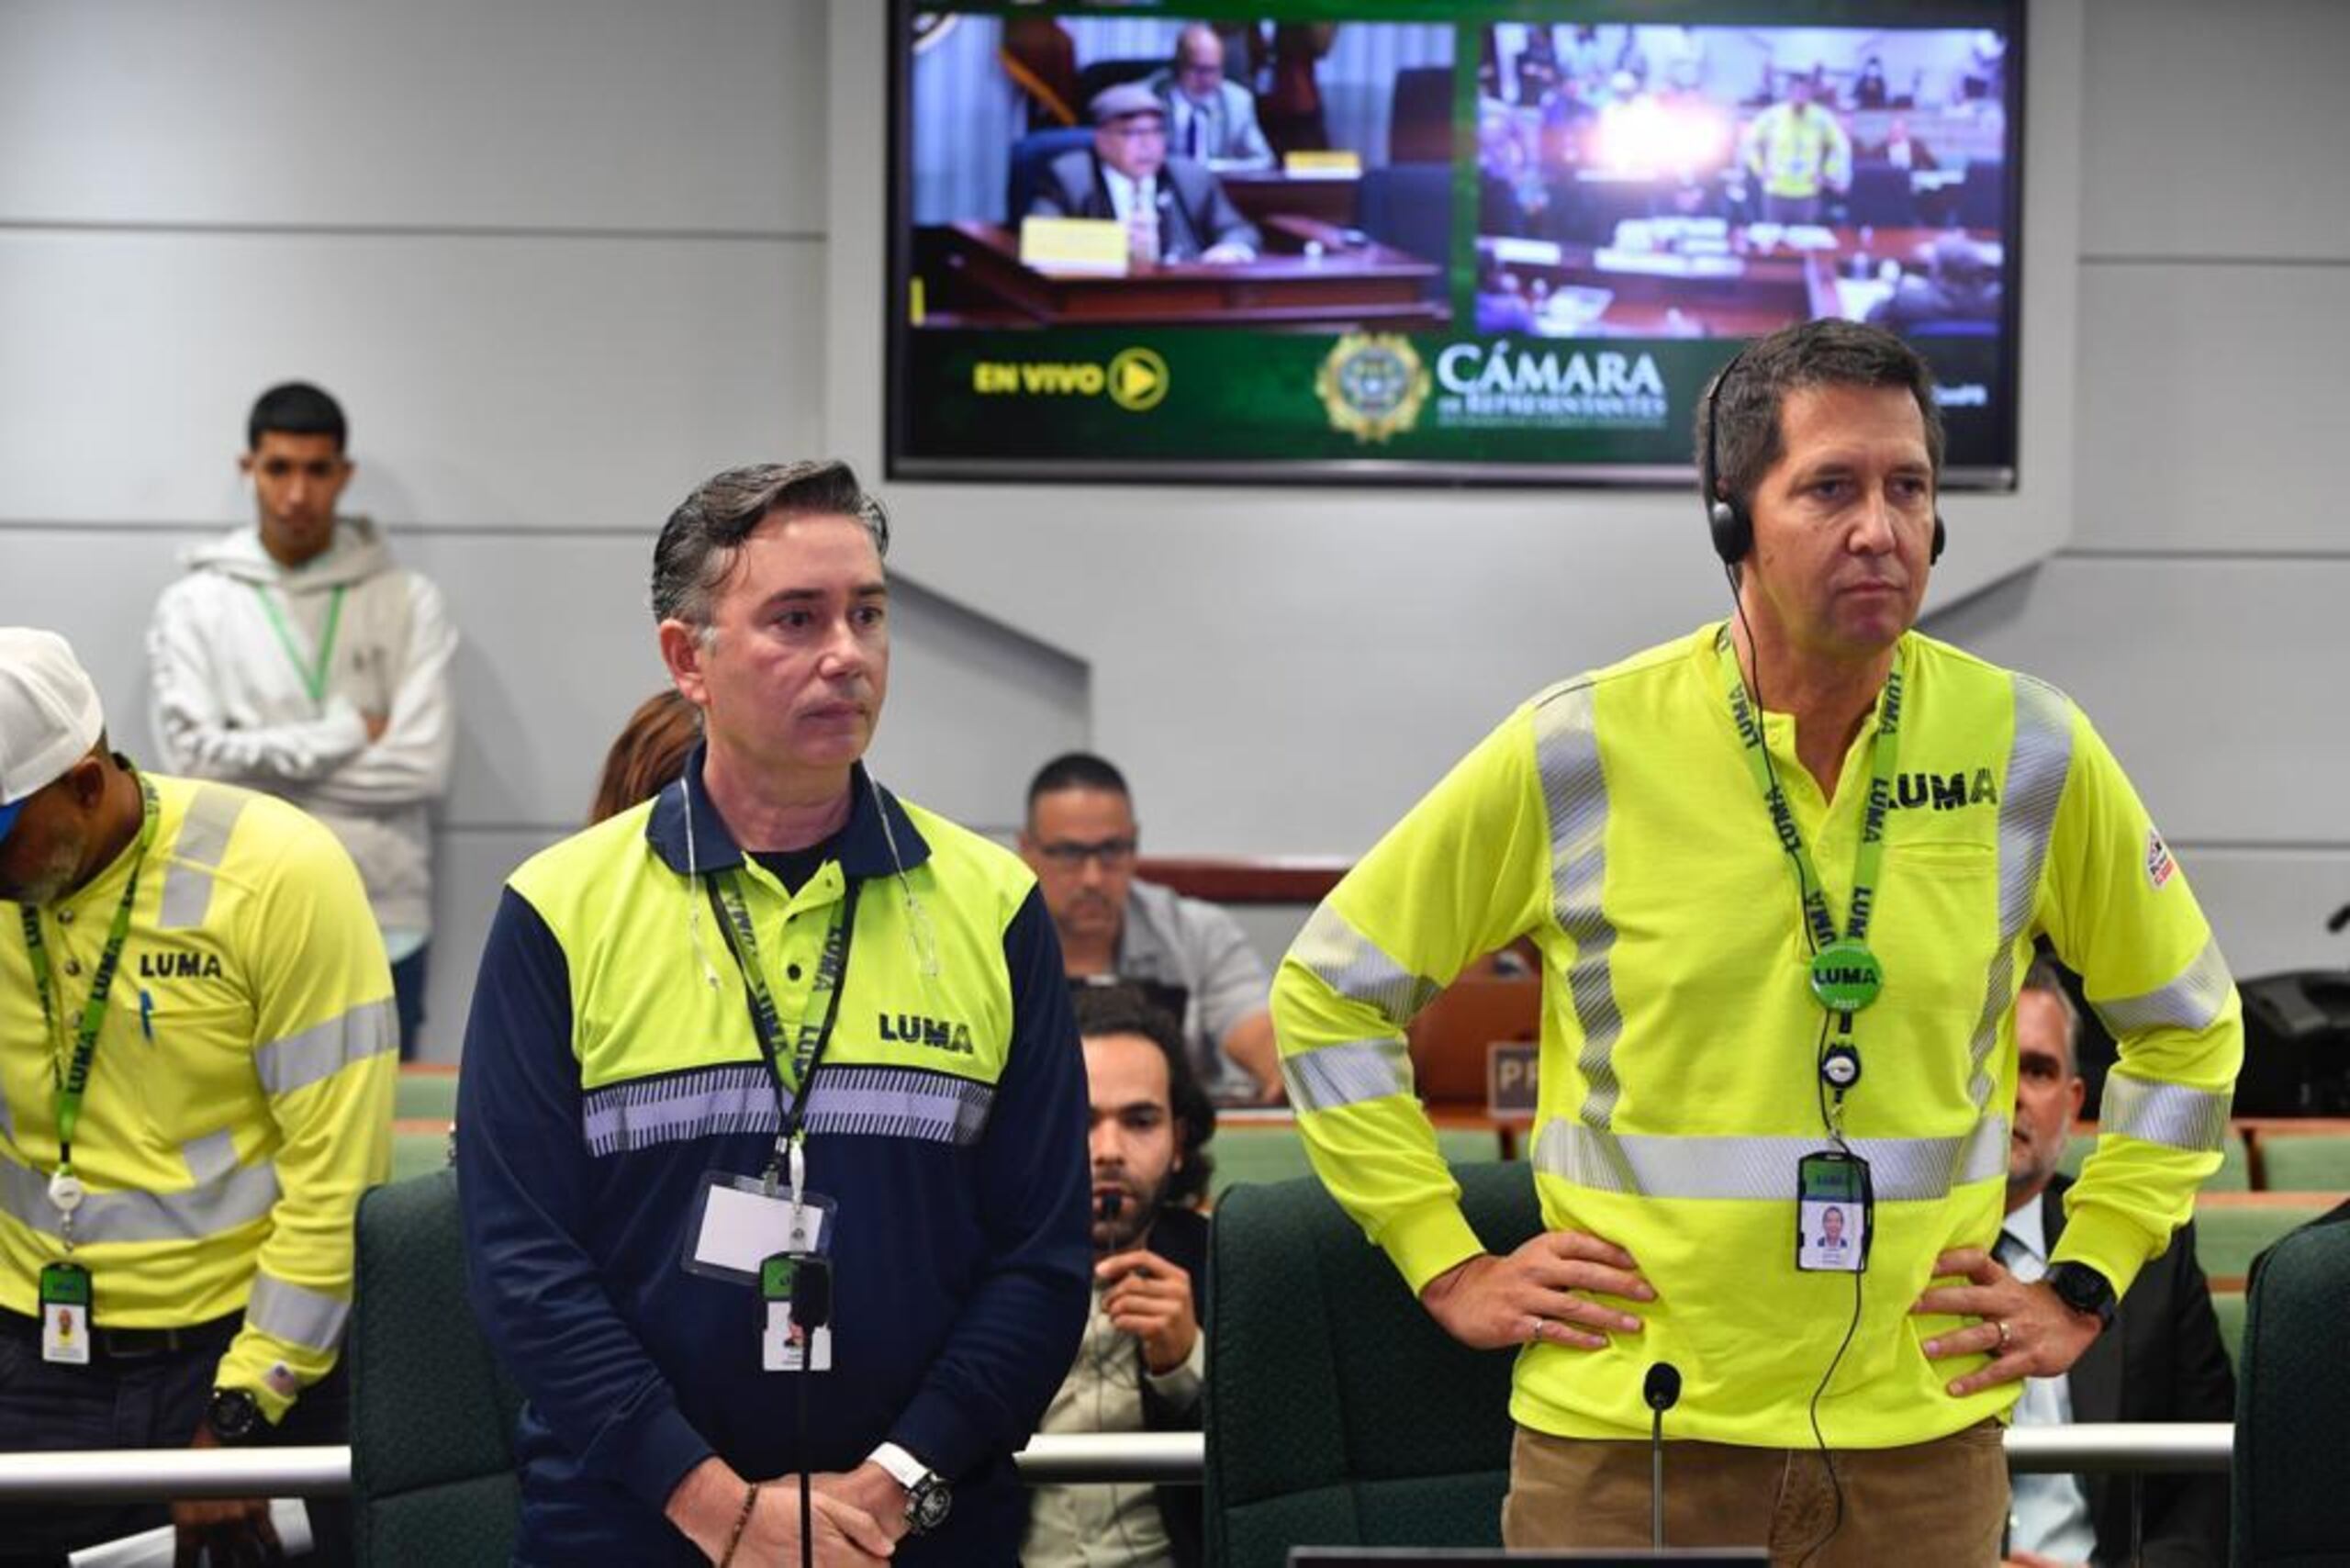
[1733,535]
[1941,537]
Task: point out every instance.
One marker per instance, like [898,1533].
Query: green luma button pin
[1846,976]
[778,1277]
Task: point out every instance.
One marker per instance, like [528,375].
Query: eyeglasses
[1069,856]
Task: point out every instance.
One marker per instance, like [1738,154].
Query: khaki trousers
[1928,1506]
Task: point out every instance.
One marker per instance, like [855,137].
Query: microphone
[1663,1392]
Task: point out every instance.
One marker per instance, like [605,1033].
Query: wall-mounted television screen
[1488,241]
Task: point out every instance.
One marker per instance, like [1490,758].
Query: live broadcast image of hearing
[1097,171]
[1726,182]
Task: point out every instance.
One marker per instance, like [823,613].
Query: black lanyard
[815,1033]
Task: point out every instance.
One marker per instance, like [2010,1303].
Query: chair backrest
[2292,1407]
[1419,117]
[431,1414]
[1030,156]
[1339,1414]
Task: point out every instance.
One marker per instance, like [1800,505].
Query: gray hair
[699,543]
[2043,975]
[1754,388]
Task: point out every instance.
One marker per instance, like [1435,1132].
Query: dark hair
[1827,353]
[2045,975]
[1076,770]
[296,408]
[699,543]
[1122,1009]
[648,753]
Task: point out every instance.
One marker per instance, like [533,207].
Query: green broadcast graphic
[1508,240]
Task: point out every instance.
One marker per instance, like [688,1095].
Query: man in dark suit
[1144,1361]
[2161,1361]
[1173,209]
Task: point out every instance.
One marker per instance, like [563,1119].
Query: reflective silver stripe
[2189,1003]
[1762,1169]
[1352,965]
[294,1314]
[324,1049]
[210,1158]
[1574,795]
[2168,1113]
[1331,1076]
[243,1195]
[889,1102]
[204,838]
[712,1101]
[2039,760]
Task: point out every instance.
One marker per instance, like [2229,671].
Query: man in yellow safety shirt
[198,1042]
[1785,875]
[1797,150]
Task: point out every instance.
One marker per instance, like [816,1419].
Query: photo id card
[737,1224]
[1834,1208]
[65,1314]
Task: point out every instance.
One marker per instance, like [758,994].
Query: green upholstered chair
[1337,1412]
[2234,1174]
[2305,1162]
[422,1093]
[1261,1155]
[432,1415]
[2292,1509]
[2229,1236]
[2228,1308]
[419,1153]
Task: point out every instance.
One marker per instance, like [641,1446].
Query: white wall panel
[516,382]
[2268,907]
[2217,683]
[2216,131]
[2213,414]
[597,113]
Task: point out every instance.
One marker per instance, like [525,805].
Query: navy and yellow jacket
[611,1065]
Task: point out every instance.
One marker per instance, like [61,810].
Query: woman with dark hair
[649,752]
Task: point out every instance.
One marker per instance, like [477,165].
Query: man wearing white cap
[1173,208]
[197,1050]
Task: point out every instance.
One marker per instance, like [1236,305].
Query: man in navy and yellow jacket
[1785,875]
[775,1011]
[197,1050]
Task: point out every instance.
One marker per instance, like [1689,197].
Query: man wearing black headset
[1784,876]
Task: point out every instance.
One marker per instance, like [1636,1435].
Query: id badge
[1834,1210]
[65,1314]
[737,1224]
[793,1285]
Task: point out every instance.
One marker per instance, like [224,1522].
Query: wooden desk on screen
[1269,194]
[975,278]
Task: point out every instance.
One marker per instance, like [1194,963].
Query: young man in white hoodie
[295,657]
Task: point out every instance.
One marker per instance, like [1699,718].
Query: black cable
[800,1437]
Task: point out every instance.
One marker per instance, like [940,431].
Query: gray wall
[562,260]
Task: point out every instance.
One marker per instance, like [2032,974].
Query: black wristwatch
[234,1415]
[2084,1290]
[928,1498]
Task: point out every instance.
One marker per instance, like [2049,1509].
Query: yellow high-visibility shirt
[240,1098]
[1614,822]
[1795,153]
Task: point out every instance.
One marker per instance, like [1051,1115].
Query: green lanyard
[816,1022]
[1845,976]
[74,1081]
[314,675]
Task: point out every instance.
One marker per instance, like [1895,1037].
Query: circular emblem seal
[1372,385]
[1846,976]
